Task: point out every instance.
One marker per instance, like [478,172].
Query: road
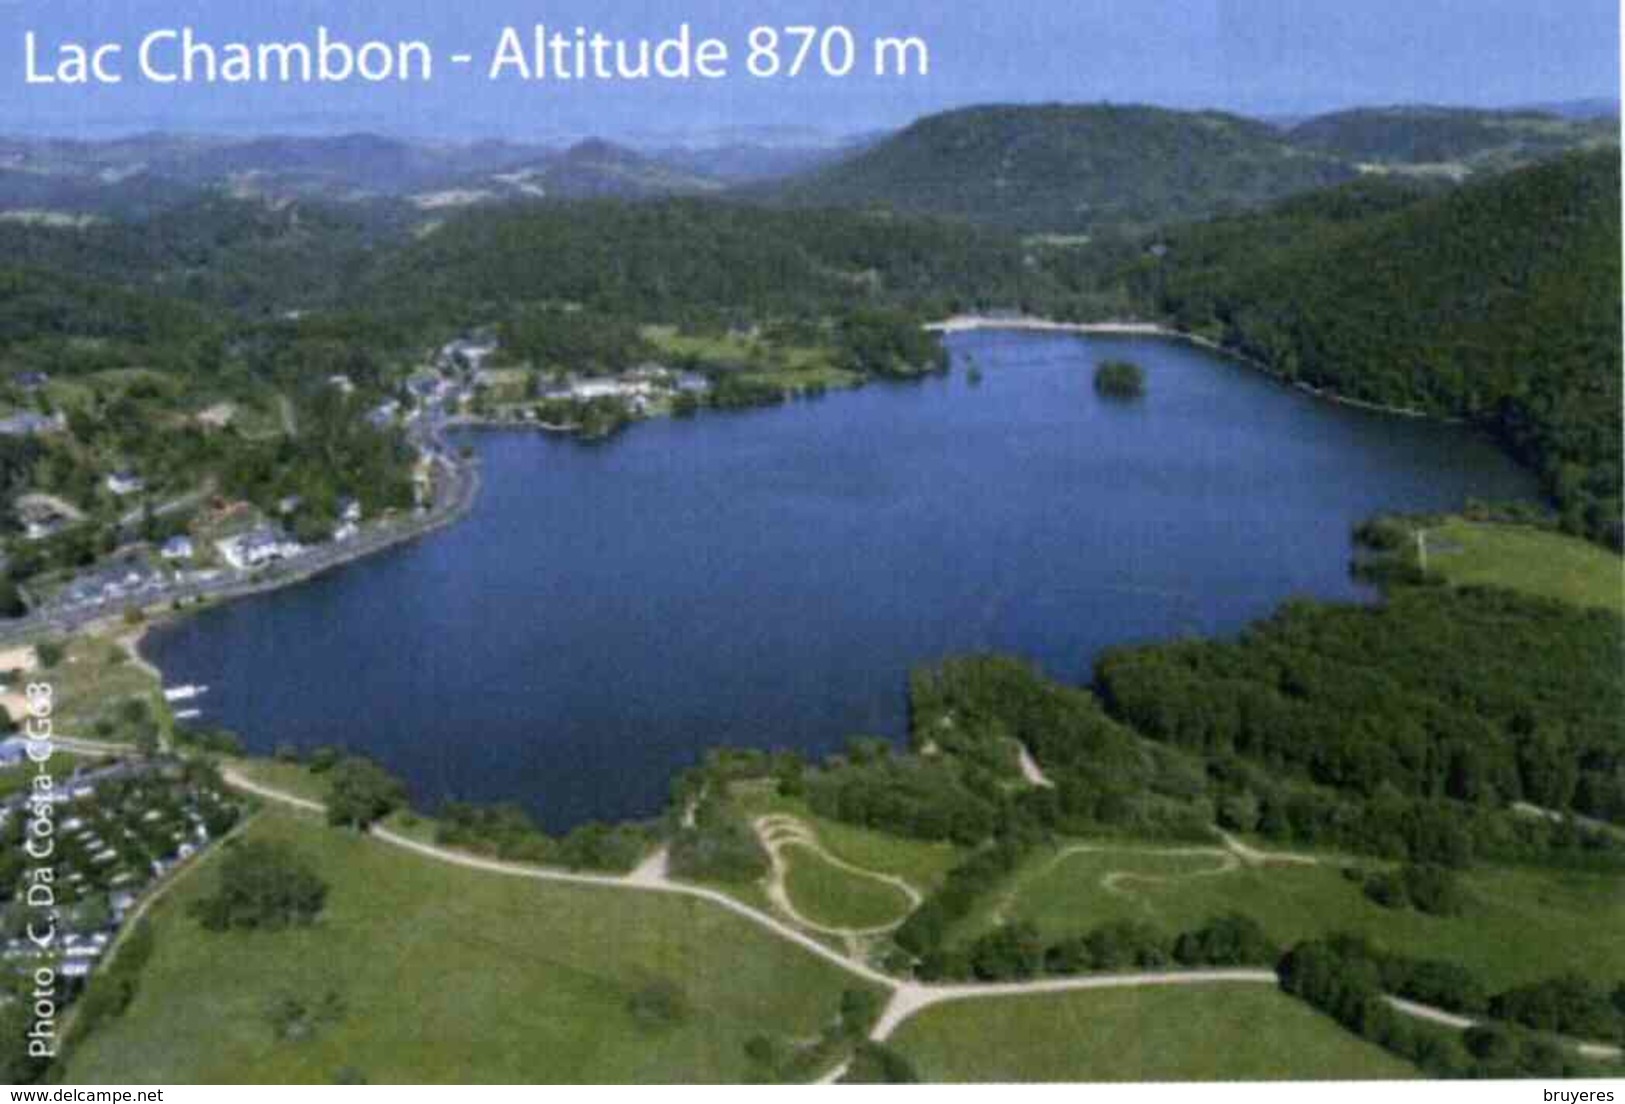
[1595,1051]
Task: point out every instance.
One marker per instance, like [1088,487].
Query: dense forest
[1472,698]
[1408,730]
[668,260]
[1496,302]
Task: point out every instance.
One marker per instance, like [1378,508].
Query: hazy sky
[1258,56]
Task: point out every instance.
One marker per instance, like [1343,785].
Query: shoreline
[976,323]
[110,622]
[466,486]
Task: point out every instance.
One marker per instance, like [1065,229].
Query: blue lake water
[768,578]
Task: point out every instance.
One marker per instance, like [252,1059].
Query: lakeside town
[230,548]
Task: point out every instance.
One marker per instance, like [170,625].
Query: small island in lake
[1120,379]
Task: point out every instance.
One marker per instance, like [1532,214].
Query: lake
[768,578]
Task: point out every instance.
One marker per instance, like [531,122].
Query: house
[30,381]
[40,529]
[342,383]
[125,482]
[589,389]
[465,354]
[28,424]
[218,416]
[288,504]
[178,548]
[383,415]
[649,372]
[256,548]
[350,511]
[13,751]
[110,584]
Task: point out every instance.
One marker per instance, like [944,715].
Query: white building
[178,548]
[250,550]
[123,483]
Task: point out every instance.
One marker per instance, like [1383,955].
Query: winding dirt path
[1595,1051]
[778,832]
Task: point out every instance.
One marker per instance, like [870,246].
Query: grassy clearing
[836,898]
[1533,561]
[1224,1033]
[794,367]
[1577,920]
[923,865]
[94,676]
[450,975]
[289,778]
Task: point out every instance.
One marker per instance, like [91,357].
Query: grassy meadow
[1533,561]
[1576,919]
[449,975]
[1217,1033]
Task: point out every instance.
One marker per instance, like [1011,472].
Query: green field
[793,367]
[837,898]
[1219,1033]
[1534,561]
[1577,920]
[923,865]
[449,975]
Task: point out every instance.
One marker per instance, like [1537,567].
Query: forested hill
[1071,169]
[657,261]
[1498,301]
[1444,136]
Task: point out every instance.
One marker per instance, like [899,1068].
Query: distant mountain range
[1058,169]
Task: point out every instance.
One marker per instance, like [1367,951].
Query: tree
[262,885]
[1120,379]
[11,599]
[361,792]
[1231,940]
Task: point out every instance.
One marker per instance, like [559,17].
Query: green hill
[1072,169]
[657,260]
[1467,139]
[1498,301]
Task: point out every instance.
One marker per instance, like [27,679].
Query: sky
[1262,57]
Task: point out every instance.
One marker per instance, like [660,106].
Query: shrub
[720,846]
[659,1005]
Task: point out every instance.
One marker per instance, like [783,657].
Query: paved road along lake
[768,578]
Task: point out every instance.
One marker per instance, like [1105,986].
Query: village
[181,546]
